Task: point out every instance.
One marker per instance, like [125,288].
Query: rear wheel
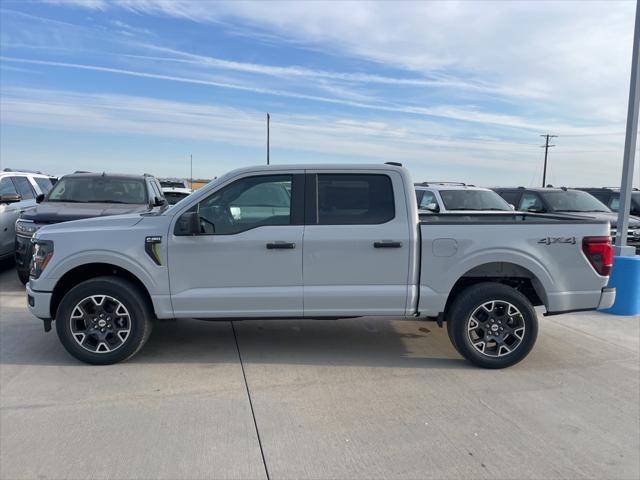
[492,325]
[103,320]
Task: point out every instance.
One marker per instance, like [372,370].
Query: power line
[546,154]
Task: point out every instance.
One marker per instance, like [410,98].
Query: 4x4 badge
[555,240]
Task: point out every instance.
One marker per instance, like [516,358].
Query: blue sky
[454,90]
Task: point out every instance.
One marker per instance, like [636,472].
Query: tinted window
[531,202]
[24,187]
[352,199]
[173,184]
[247,203]
[573,201]
[602,196]
[99,190]
[473,200]
[7,187]
[614,202]
[428,200]
[510,197]
[174,197]
[44,183]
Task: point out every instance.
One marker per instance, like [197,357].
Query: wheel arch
[88,271]
[506,273]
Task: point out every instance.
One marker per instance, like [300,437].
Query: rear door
[356,244]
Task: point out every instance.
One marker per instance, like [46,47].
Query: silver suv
[452,197]
[18,192]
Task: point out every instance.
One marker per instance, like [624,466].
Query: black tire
[493,302]
[23,277]
[137,321]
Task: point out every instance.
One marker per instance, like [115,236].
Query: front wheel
[492,325]
[103,320]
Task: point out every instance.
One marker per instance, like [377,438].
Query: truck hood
[56,212]
[110,223]
[610,217]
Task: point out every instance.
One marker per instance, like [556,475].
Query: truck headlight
[26,228]
[42,253]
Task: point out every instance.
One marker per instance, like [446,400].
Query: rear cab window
[354,199]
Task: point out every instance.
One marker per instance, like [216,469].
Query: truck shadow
[356,342]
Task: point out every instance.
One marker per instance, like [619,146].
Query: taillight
[599,252]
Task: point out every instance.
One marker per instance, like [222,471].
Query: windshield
[102,189]
[573,201]
[473,200]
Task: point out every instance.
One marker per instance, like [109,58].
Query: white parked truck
[315,241]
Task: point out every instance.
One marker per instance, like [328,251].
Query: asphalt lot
[342,399]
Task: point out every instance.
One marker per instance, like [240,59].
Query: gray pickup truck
[315,241]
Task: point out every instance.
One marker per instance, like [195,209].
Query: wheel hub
[100,323]
[496,328]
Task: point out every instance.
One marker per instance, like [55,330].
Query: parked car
[174,183]
[450,197]
[347,242]
[611,198]
[18,192]
[175,194]
[84,195]
[571,202]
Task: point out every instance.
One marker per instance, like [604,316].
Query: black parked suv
[84,195]
[611,198]
[571,202]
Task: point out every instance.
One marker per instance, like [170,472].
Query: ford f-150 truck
[315,242]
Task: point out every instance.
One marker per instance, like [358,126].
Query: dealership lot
[356,398]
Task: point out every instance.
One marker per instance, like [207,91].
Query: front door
[247,259]
[356,245]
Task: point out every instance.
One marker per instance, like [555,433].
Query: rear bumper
[39,303]
[581,301]
[607,298]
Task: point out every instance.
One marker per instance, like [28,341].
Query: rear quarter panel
[563,277]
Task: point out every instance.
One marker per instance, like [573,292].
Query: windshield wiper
[109,201]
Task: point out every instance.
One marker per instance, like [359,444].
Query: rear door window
[355,199]
[45,184]
[24,187]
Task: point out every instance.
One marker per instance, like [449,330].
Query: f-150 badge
[556,240]
[151,247]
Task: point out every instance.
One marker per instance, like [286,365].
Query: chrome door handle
[280,245]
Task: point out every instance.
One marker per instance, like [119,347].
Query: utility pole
[546,154]
[268,120]
[628,160]
[191,174]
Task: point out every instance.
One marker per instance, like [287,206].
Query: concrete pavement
[362,398]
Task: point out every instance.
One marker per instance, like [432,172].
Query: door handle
[280,245]
[387,244]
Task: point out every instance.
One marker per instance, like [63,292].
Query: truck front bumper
[39,303]
[607,298]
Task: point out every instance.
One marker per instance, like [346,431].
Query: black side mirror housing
[10,198]
[40,198]
[188,224]
[158,202]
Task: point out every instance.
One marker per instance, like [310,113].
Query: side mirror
[188,224]
[158,202]
[10,198]
[40,198]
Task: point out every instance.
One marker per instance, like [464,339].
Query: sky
[457,91]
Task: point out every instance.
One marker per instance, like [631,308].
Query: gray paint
[333,271]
